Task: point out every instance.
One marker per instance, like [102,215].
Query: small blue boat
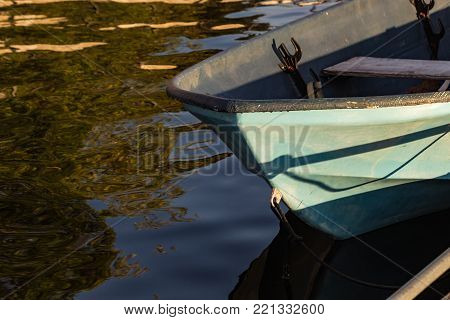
[353,149]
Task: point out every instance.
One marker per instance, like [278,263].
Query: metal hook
[289,60]
[289,63]
[298,51]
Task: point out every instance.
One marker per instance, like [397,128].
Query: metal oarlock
[423,14]
[289,64]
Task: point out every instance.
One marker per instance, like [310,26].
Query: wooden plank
[391,68]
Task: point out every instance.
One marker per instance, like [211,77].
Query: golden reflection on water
[157,66]
[107,28]
[28,20]
[228,26]
[5,3]
[70,125]
[55,47]
[106,169]
[158,26]
[44,21]
[303,3]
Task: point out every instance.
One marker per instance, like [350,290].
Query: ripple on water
[96,157]
[55,47]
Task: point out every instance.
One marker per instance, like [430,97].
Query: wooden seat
[391,68]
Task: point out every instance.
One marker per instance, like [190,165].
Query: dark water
[96,204]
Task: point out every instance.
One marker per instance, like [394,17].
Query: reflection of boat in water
[366,156]
[282,273]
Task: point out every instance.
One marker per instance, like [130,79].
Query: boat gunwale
[229,105]
[219,104]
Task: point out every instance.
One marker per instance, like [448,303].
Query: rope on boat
[299,239]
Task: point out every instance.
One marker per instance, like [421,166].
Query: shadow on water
[388,256]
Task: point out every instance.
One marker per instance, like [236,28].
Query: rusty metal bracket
[289,64]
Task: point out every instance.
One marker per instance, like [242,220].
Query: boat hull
[346,172]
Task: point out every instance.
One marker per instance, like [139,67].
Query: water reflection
[17,48]
[228,26]
[157,66]
[27,20]
[157,26]
[41,226]
[285,270]
[106,189]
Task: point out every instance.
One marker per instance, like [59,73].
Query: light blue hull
[346,172]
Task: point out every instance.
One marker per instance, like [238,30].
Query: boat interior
[351,28]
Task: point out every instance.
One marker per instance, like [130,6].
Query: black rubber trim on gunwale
[219,104]
[228,105]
